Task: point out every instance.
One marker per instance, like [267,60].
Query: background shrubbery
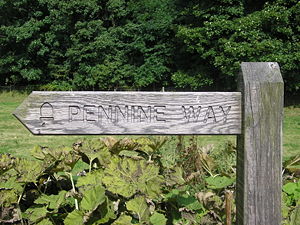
[139,44]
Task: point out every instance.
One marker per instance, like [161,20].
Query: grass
[17,140]
[291,131]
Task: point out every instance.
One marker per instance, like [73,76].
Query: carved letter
[210,114]
[74,112]
[156,108]
[225,113]
[90,113]
[125,114]
[102,112]
[133,114]
[190,113]
[141,112]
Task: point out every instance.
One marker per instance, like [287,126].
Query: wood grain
[131,112]
[259,160]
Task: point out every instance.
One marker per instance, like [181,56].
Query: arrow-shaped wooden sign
[131,112]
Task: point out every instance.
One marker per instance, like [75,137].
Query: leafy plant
[124,183]
[219,182]
[292,164]
[291,191]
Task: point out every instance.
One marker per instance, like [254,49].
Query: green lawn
[291,131]
[17,140]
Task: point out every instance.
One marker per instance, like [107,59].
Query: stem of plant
[73,187]
[18,204]
[90,165]
[39,190]
[228,204]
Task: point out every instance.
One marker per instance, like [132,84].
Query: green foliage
[85,45]
[125,184]
[94,208]
[52,201]
[134,44]
[139,207]
[184,199]
[295,217]
[209,173]
[219,182]
[133,176]
[36,214]
[292,164]
[293,191]
[56,160]
[123,220]
[8,197]
[6,163]
[219,36]
[158,219]
[28,170]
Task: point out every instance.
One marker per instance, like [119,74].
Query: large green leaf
[150,145]
[6,163]
[149,181]
[219,182]
[8,198]
[95,208]
[92,198]
[139,206]
[174,177]
[295,217]
[292,189]
[115,146]
[74,218]
[9,181]
[92,178]
[28,170]
[158,219]
[189,202]
[45,222]
[36,213]
[104,213]
[127,176]
[184,199]
[91,150]
[38,152]
[130,154]
[52,201]
[123,220]
[56,159]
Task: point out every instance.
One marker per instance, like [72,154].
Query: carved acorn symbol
[46,113]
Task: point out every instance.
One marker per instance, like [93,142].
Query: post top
[262,72]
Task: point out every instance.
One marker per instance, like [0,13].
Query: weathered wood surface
[131,112]
[259,160]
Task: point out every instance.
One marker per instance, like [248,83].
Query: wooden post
[259,161]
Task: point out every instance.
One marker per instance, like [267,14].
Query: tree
[86,44]
[220,35]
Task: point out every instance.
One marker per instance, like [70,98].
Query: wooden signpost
[131,113]
[254,114]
